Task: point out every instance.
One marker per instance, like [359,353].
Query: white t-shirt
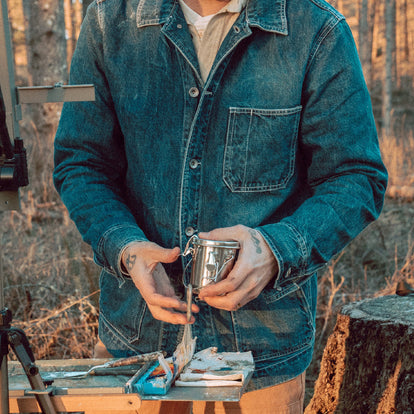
[209,31]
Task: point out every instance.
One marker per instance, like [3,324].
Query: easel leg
[4,385]
[4,379]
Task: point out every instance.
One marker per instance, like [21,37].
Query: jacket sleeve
[89,156]
[339,145]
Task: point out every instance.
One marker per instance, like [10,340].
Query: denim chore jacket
[280,138]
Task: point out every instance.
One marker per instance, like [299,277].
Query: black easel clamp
[13,166]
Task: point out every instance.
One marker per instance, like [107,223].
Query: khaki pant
[286,398]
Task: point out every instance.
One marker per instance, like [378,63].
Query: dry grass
[68,331]
[50,280]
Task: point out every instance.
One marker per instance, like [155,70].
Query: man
[247,121]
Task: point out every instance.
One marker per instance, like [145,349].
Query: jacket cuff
[289,248]
[112,245]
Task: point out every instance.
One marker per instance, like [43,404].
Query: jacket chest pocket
[260,148]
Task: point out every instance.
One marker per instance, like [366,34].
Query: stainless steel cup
[211,260]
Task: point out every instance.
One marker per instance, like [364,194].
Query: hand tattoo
[255,240]
[130,261]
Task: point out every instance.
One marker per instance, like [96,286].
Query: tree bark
[388,67]
[366,38]
[69,30]
[368,362]
[48,65]
[364,46]
[405,29]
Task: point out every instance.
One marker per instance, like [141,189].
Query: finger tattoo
[255,240]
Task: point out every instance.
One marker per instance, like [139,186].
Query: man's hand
[256,265]
[143,262]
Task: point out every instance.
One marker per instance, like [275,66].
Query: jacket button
[194,164]
[194,92]
[189,231]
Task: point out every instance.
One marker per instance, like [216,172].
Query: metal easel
[13,175]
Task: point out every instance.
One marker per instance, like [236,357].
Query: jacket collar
[268,15]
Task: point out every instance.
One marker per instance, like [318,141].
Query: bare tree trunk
[48,65]
[405,29]
[394,40]
[365,37]
[363,47]
[367,365]
[388,67]
[73,21]
[77,17]
[69,30]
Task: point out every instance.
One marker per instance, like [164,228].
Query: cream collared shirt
[208,32]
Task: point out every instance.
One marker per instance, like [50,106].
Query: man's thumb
[168,255]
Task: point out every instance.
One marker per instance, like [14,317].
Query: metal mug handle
[186,252]
[222,267]
[185,271]
[188,249]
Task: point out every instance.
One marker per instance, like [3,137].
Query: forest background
[50,280]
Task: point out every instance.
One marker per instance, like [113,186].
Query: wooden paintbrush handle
[136,359]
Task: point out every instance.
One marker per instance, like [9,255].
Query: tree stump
[368,362]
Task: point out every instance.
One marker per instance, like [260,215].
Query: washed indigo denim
[280,138]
